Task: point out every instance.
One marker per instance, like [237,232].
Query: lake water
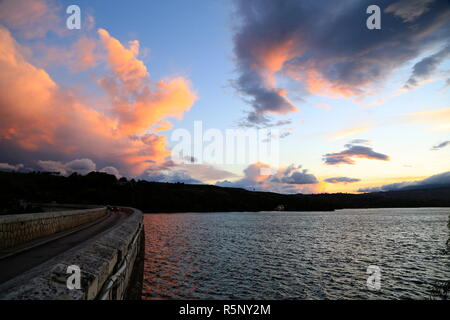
[296,255]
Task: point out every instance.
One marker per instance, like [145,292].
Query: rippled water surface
[295,255]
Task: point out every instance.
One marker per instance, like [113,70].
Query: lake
[296,255]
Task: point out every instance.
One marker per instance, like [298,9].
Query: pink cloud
[284,180]
[151,102]
[37,115]
[32,19]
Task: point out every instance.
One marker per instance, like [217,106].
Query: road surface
[19,263]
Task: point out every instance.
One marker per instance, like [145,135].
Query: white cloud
[292,179]
[10,167]
[81,166]
[111,170]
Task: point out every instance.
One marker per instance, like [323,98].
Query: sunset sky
[358,109]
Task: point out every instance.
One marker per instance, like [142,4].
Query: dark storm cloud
[325,45]
[353,151]
[253,120]
[409,10]
[427,66]
[342,180]
[295,177]
[436,181]
[291,179]
[302,177]
[441,145]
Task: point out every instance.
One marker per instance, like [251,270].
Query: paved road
[15,265]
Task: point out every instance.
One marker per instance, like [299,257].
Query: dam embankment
[21,228]
[108,264]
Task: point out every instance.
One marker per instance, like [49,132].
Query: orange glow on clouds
[123,61]
[32,19]
[439,119]
[349,157]
[162,125]
[36,114]
[271,60]
[258,171]
[319,85]
[151,102]
[343,134]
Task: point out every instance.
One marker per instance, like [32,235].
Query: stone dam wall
[111,268]
[21,228]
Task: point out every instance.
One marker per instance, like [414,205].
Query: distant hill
[17,190]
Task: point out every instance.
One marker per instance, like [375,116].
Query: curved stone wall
[111,266]
[20,228]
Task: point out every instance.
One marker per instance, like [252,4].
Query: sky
[351,109]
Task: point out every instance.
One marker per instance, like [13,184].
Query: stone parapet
[111,267]
[21,228]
